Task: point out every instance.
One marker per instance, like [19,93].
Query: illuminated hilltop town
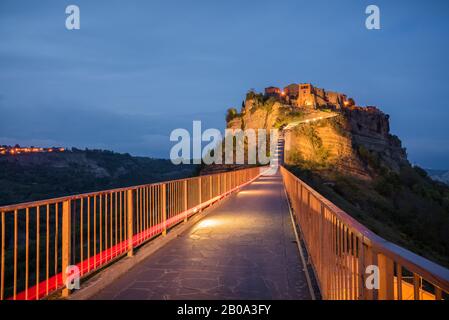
[10,150]
[306,96]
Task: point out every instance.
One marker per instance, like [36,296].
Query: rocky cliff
[351,140]
[259,115]
[323,145]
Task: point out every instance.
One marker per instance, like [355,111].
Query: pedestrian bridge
[244,248]
[255,233]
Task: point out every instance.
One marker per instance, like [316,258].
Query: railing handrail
[429,270]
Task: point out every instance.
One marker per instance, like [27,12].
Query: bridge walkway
[243,249]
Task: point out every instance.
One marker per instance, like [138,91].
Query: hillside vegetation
[394,199]
[406,208]
[29,177]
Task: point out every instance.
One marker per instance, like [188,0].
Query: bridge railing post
[164,209]
[301,201]
[386,277]
[199,191]
[225,177]
[370,258]
[185,200]
[210,187]
[130,216]
[66,244]
[361,270]
[322,240]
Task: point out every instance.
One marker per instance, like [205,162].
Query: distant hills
[36,176]
[439,175]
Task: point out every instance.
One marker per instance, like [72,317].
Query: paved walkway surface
[243,249]
[313,117]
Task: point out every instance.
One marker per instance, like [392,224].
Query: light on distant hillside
[8,150]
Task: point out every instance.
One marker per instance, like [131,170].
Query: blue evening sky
[136,70]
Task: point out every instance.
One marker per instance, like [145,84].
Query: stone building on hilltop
[273,92]
[305,95]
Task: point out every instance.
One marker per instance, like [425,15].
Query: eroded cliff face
[256,116]
[323,146]
[357,143]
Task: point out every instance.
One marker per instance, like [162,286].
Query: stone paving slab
[243,249]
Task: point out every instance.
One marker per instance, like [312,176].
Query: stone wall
[309,97]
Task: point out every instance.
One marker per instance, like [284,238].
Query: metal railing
[341,249]
[40,240]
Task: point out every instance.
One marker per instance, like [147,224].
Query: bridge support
[210,188]
[130,212]
[66,236]
[386,278]
[199,192]
[164,209]
[185,200]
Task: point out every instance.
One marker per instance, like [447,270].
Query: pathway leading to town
[245,248]
[313,117]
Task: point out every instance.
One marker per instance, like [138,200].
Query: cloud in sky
[138,69]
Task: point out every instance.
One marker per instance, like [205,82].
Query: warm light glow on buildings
[8,150]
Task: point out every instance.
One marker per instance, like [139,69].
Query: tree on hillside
[231,113]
